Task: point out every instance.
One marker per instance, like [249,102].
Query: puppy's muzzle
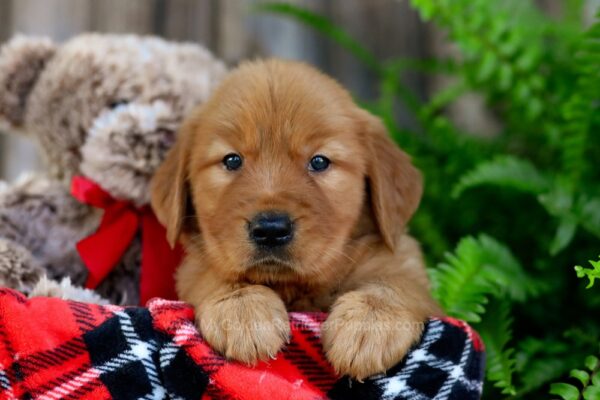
[271,229]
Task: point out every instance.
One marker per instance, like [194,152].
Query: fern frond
[505,171]
[580,109]
[496,332]
[480,267]
[590,273]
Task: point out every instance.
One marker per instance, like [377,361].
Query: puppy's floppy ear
[170,192]
[395,185]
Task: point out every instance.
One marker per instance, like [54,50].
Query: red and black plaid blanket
[56,349]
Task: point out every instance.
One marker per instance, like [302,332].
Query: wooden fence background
[233,32]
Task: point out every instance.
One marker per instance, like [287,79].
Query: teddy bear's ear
[21,61]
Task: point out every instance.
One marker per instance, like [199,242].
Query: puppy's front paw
[247,325]
[363,337]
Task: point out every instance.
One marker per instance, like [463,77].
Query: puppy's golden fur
[350,254]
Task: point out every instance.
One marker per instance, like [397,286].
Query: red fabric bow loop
[120,223]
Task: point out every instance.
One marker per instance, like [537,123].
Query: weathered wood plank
[389,29]
[244,33]
[191,20]
[5,7]
[123,16]
[59,19]
[4,34]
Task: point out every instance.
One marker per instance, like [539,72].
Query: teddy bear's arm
[39,215]
[18,268]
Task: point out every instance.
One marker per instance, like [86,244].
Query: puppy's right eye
[232,161]
[319,163]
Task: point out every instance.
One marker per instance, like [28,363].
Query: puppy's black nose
[271,229]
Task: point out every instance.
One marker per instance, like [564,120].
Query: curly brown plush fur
[103,106]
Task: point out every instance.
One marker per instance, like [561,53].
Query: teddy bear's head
[103,106]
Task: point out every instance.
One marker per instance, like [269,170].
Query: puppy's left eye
[232,161]
[319,163]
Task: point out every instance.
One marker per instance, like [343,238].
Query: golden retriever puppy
[288,196]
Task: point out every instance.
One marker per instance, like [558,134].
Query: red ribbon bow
[102,250]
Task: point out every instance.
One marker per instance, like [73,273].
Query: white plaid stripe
[5,384]
[67,388]
[456,373]
[397,385]
[166,356]
[139,350]
[305,321]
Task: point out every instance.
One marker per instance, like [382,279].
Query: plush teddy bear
[104,110]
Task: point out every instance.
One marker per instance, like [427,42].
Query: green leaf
[426,8]
[590,390]
[487,67]
[590,273]
[564,235]
[591,393]
[558,201]
[564,390]
[542,360]
[442,98]
[596,379]
[580,375]
[591,362]
[505,171]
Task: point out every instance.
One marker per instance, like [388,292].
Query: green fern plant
[562,196]
[534,188]
[501,44]
[588,378]
[479,269]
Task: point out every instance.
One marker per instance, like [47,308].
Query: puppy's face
[269,178]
